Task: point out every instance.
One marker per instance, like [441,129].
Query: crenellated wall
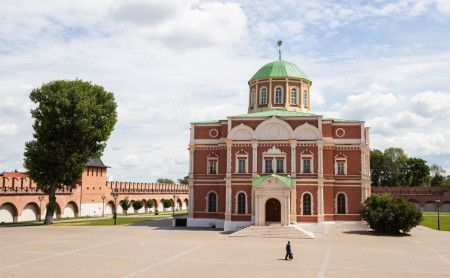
[92,195]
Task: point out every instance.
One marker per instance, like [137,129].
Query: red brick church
[279,162]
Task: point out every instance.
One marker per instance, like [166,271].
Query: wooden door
[273,210]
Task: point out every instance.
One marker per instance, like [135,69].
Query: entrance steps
[274,231]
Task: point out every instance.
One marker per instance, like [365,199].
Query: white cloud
[130,161]
[431,104]
[362,105]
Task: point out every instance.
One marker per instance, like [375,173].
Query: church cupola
[279,85]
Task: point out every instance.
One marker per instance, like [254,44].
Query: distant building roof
[15,175]
[96,162]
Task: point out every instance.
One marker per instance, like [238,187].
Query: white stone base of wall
[328,226]
[92,209]
[232,226]
[205,222]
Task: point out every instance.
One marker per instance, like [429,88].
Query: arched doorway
[273,210]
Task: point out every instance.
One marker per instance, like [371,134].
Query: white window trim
[296,95]
[207,201]
[340,157]
[305,99]
[241,155]
[312,203]
[261,99]
[236,203]
[336,204]
[306,154]
[212,157]
[274,153]
[252,98]
[275,95]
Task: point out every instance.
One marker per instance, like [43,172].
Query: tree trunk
[51,198]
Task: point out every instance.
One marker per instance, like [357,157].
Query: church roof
[275,112]
[286,180]
[279,68]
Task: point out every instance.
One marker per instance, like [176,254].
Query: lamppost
[173,207]
[438,202]
[115,195]
[103,210]
[40,209]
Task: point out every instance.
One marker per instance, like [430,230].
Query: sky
[173,62]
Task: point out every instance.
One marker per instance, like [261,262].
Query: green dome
[279,68]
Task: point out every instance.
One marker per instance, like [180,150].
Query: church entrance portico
[272,200]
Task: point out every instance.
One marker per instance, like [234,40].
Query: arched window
[263,96]
[294,96]
[241,203]
[307,204]
[278,95]
[341,203]
[305,98]
[212,199]
[253,99]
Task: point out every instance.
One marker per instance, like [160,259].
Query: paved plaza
[155,249]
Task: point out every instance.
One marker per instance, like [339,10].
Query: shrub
[167,203]
[137,205]
[156,212]
[150,203]
[389,215]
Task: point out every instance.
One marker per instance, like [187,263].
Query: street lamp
[438,202]
[40,209]
[103,210]
[115,195]
[173,207]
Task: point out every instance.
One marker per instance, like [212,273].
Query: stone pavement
[155,249]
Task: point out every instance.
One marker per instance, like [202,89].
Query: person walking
[288,250]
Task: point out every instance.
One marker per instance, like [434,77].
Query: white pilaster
[320,160]
[293,158]
[228,197]
[254,158]
[229,145]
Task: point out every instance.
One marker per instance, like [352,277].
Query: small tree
[167,203]
[125,204]
[387,214]
[137,205]
[150,203]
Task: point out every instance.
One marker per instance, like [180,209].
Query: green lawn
[110,221]
[430,220]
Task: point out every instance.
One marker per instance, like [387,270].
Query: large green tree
[72,122]
[377,170]
[184,180]
[415,172]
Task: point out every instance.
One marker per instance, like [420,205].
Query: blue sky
[170,63]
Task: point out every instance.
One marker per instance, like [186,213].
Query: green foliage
[51,207]
[394,168]
[165,181]
[389,215]
[150,203]
[138,204]
[125,204]
[415,172]
[437,176]
[72,122]
[167,203]
[156,212]
[376,167]
[184,180]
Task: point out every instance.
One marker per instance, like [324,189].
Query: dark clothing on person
[288,250]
